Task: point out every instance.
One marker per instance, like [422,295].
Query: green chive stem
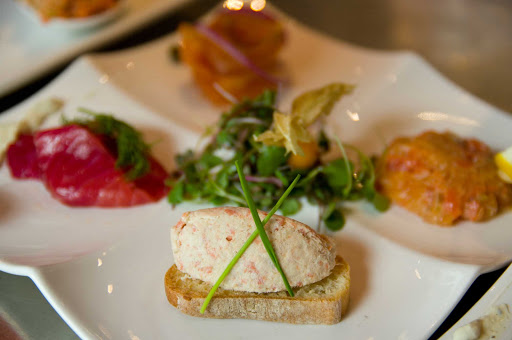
[259,225]
[365,159]
[246,245]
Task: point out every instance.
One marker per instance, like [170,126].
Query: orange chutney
[443,178]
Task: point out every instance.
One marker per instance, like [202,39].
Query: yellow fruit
[309,158]
[504,162]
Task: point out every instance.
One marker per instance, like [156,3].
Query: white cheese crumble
[488,327]
[30,122]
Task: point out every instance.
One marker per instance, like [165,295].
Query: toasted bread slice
[322,302]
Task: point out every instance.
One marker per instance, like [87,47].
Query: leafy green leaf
[225,138]
[269,159]
[331,206]
[209,160]
[282,177]
[176,194]
[222,178]
[218,200]
[380,202]
[336,173]
[290,206]
[267,98]
[192,190]
[335,221]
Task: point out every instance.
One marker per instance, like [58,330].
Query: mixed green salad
[272,148]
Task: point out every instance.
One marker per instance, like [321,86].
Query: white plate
[29,48]
[103,269]
[500,293]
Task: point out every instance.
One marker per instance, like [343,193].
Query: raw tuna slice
[78,170]
[22,158]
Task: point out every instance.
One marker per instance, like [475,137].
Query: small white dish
[103,269]
[29,50]
[74,25]
[499,294]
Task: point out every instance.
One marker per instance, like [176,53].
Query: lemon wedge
[504,162]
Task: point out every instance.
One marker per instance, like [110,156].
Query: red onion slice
[235,53]
[272,180]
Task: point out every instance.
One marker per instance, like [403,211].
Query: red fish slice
[78,170]
[22,158]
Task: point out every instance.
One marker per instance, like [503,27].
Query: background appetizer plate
[30,48]
[498,295]
[103,269]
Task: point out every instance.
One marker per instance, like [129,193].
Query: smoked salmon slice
[79,170]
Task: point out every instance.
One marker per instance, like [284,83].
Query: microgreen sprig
[348,187]
[327,184]
[247,244]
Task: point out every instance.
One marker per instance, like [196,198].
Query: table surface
[468,41]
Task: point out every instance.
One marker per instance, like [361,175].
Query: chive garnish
[249,242]
[259,225]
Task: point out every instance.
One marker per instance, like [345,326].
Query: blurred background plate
[499,295]
[30,49]
[73,24]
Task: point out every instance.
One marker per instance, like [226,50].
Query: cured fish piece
[22,158]
[78,170]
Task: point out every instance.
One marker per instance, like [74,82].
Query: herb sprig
[209,175]
[246,245]
[132,152]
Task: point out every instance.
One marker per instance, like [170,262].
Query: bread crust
[323,302]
